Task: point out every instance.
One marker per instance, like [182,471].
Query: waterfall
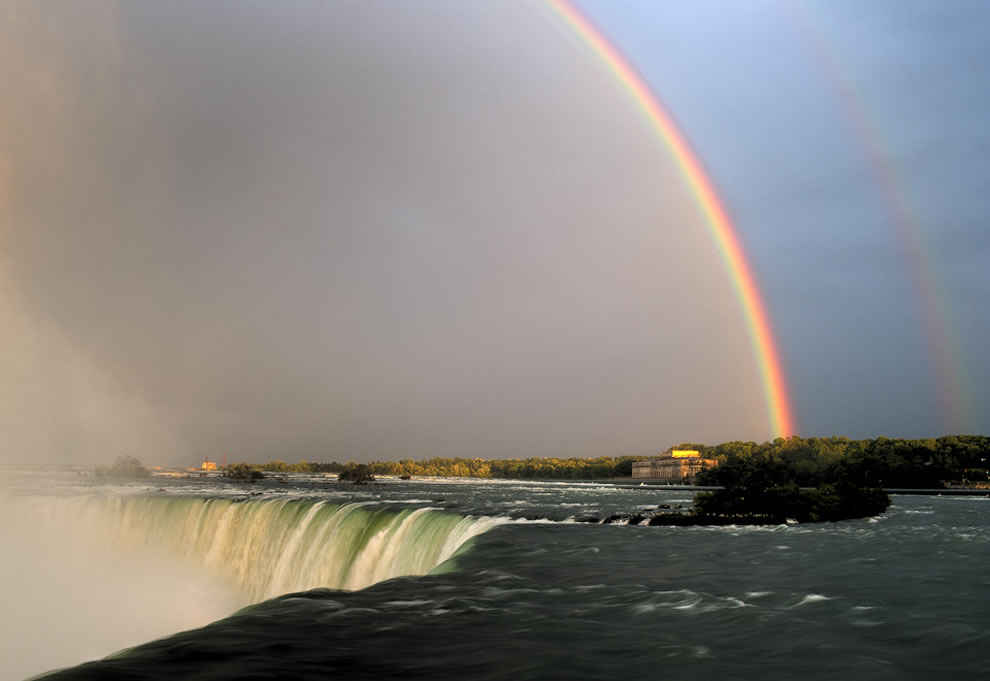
[267,547]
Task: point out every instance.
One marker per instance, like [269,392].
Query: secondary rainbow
[722,231]
[952,391]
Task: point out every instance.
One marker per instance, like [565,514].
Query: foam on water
[811,598]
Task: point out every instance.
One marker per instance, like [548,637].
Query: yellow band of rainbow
[720,227]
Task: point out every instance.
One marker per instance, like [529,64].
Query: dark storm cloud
[349,231]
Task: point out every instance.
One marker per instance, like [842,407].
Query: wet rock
[616,518]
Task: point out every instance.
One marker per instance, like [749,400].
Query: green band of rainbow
[721,228]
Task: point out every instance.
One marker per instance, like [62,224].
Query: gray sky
[430,229]
[377,230]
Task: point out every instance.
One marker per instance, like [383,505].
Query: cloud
[367,231]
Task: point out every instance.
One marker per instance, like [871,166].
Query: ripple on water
[406,604]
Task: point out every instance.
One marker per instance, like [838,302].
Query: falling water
[268,547]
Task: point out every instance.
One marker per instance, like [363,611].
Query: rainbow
[722,231]
[951,389]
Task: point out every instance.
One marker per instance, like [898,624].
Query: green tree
[242,472]
[357,473]
[125,468]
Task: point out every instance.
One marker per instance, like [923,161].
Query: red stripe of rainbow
[757,321]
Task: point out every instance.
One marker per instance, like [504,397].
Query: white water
[67,596]
[265,548]
[83,576]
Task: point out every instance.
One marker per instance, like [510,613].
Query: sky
[354,231]
[849,142]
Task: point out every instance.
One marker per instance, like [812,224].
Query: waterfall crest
[267,547]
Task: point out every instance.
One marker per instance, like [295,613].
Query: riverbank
[659,484]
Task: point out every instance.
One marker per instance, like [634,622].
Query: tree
[357,473]
[243,472]
[125,468]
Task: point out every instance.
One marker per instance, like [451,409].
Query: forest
[531,468]
[877,462]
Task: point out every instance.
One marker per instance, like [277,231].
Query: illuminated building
[674,466]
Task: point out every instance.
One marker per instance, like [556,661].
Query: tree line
[531,468]
[878,462]
[807,462]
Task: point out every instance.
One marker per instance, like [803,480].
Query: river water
[496,580]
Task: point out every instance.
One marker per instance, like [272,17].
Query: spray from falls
[267,547]
[87,574]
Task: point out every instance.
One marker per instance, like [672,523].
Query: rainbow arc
[723,232]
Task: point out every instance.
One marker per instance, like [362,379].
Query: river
[492,580]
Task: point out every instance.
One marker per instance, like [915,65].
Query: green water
[901,596]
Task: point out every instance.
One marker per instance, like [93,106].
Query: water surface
[501,583]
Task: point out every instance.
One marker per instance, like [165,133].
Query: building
[208,465]
[677,466]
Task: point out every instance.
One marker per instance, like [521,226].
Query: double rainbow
[720,227]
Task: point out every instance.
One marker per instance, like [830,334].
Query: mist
[347,232]
[73,594]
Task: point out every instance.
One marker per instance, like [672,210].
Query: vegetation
[809,462]
[531,468]
[358,474]
[880,462]
[243,472]
[817,479]
[763,490]
[124,468]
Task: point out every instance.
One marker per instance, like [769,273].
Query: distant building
[674,466]
[208,465]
